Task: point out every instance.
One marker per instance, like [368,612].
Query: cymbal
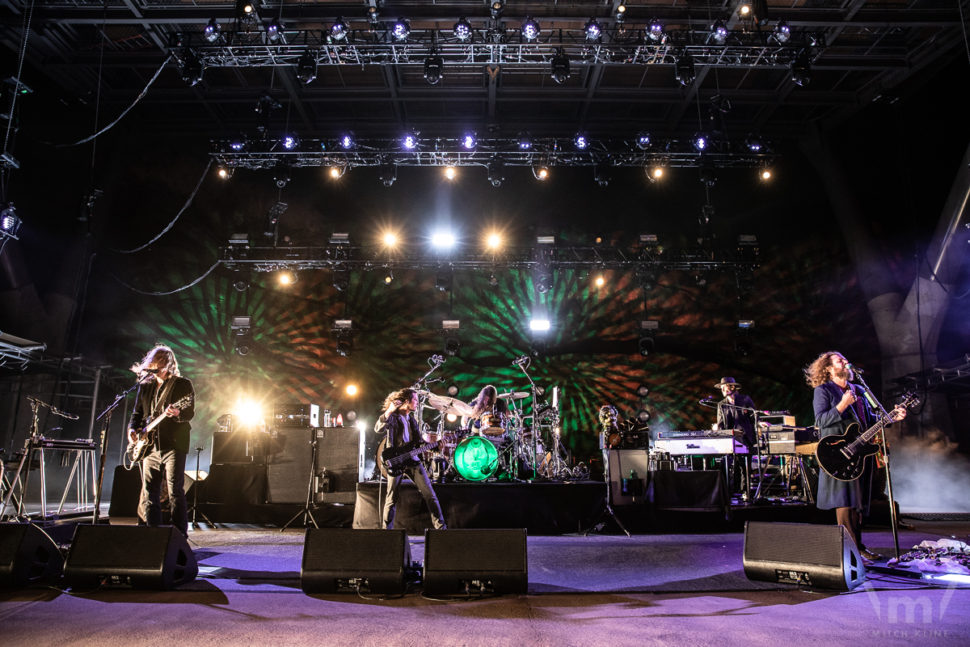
[514,395]
[444,404]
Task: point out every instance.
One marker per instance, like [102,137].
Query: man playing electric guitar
[156,397]
[401,427]
[837,402]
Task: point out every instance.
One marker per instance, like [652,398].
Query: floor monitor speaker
[805,554]
[475,561]
[27,556]
[339,560]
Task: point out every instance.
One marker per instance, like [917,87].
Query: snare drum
[492,424]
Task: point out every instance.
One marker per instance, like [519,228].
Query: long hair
[817,372]
[163,353]
[401,395]
[486,399]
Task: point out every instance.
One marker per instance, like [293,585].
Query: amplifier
[296,415]
[782,439]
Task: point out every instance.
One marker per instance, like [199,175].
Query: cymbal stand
[307,510]
[195,495]
[557,466]
[524,367]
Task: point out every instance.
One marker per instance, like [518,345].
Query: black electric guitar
[398,459]
[843,456]
[138,449]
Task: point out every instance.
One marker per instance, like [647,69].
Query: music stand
[195,496]
[307,510]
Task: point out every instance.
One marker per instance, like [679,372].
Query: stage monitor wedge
[27,556]
[472,561]
[135,556]
[344,560]
[804,554]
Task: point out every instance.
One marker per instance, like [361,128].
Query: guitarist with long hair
[837,403]
[401,427]
[165,403]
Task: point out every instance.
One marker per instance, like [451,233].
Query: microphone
[437,359]
[519,361]
[855,369]
[150,370]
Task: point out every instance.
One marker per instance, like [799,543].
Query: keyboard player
[736,411]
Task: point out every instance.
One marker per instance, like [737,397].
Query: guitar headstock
[909,400]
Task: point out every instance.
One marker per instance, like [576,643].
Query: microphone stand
[195,494]
[893,520]
[523,366]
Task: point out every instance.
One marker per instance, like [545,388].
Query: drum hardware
[514,395]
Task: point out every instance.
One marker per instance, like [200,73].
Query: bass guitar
[139,448]
[843,456]
[398,459]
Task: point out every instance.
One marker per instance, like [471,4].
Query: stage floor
[595,590]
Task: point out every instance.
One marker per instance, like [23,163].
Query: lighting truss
[626,46]
[449,151]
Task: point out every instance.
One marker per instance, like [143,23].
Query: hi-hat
[514,395]
[446,405]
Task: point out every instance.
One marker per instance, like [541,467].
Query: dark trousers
[419,477]
[167,467]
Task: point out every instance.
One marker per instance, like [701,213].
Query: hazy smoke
[929,476]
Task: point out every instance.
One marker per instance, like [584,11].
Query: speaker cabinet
[125,491]
[136,556]
[625,489]
[467,560]
[805,554]
[27,556]
[343,560]
[335,474]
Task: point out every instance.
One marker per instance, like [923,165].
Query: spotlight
[462,30]
[753,144]
[620,13]
[388,174]
[246,9]
[341,282]
[560,67]
[496,8]
[390,239]
[581,141]
[524,141]
[593,30]
[344,346]
[543,279]
[401,29]
[700,142]
[388,277]
[782,32]
[247,413]
[223,172]
[237,145]
[801,70]
[9,222]
[450,173]
[601,176]
[286,278]
[655,31]
[347,141]
[643,416]
[530,29]
[281,175]
[290,141]
[643,141]
[409,141]
[339,30]
[539,324]
[351,390]
[540,173]
[442,239]
[599,281]
[373,15]
[744,10]
[336,171]
[212,30]
[684,69]
[274,30]
[643,390]
[647,340]
[655,173]
[191,68]
[242,337]
[452,390]
[306,68]
[468,141]
[719,32]
[443,279]
[433,68]
[452,346]
[496,172]
[493,241]
[764,173]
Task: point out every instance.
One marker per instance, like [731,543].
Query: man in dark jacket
[167,396]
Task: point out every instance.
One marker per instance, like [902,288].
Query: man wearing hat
[736,410]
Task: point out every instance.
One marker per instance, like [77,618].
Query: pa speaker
[27,556]
[136,556]
[806,554]
[338,560]
[466,561]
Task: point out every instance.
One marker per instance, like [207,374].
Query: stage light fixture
[539,324]
[339,238]
[281,174]
[223,172]
[462,30]
[340,280]
[290,141]
[443,279]
[237,145]
[452,345]
[560,67]
[753,143]
[540,173]
[496,8]
[434,67]
[708,175]
[744,10]
[336,171]
[493,241]
[452,390]
[620,14]
[601,175]
[765,174]
[643,416]
[387,174]
[655,173]
[700,142]
[241,329]
[450,173]
[524,140]
[593,30]
[643,391]
[390,239]
[191,68]
[655,31]
[351,390]
[581,141]
[247,413]
[443,239]
[782,32]
[286,277]
[306,67]
[401,29]
[496,172]
[212,31]
[274,30]
[545,240]
[543,279]
[469,141]
[719,32]
[373,15]
[344,346]
[599,281]
[647,341]
[388,277]
[643,140]
[409,141]
[343,325]
[530,29]
[684,69]
[801,70]
[9,222]
[339,30]
[245,9]
[348,142]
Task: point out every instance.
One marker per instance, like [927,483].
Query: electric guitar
[138,449]
[843,456]
[398,459]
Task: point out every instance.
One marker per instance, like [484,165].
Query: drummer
[486,404]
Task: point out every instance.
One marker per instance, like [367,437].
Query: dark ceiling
[498,83]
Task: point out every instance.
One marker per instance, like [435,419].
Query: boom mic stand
[195,495]
[608,502]
[307,510]
[524,367]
